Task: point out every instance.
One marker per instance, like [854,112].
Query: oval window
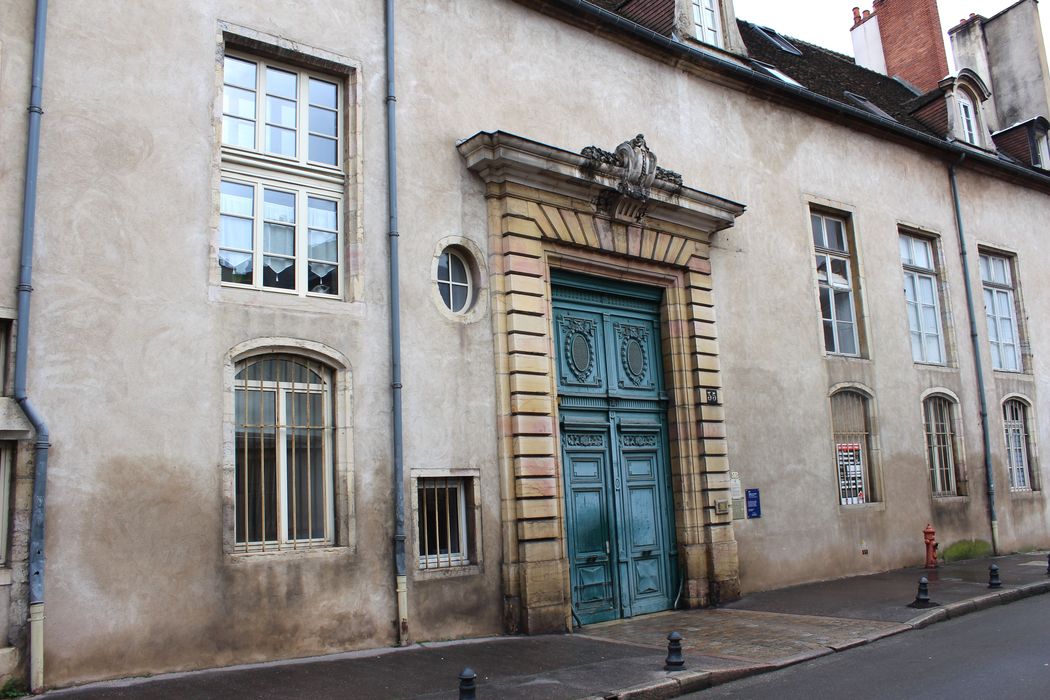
[453,280]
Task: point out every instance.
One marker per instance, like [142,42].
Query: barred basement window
[283,446]
[444,527]
[940,445]
[852,436]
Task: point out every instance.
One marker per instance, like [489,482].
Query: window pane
[822,268]
[840,272]
[323,278]
[323,93]
[323,150]
[235,198]
[933,349]
[905,248]
[256,466]
[459,297]
[236,267]
[280,112]
[446,293]
[985,272]
[238,132]
[280,141]
[279,239]
[279,206]
[929,320]
[322,213]
[443,264]
[459,270]
[836,236]
[927,291]
[829,336]
[322,121]
[238,102]
[847,345]
[825,302]
[818,231]
[235,233]
[923,257]
[280,83]
[279,272]
[843,306]
[238,72]
[917,347]
[324,246]
[1000,273]
[913,318]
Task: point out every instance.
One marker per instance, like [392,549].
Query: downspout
[25,288]
[401,580]
[978,367]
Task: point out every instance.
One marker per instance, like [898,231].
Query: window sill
[935,366]
[448,572]
[1026,494]
[5,576]
[950,500]
[838,357]
[856,507]
[265,298]
[303,553]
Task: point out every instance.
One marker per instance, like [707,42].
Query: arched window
[283,453]
[938,413]
[967,117]
[851,428]
[1018,449]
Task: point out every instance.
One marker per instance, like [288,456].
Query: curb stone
[675,686]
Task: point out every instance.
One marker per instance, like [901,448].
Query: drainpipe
[25,288]
[401,580]
[978,367]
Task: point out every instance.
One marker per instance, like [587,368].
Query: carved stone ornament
[639,172]
[639,164]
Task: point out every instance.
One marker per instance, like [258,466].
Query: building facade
[635,372]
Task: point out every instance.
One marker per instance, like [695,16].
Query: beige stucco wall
[131,334]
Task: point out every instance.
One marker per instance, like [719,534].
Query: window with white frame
[1000,311]
[920,295]
[444,523]
[851,430]
[1018,454]
[454,280]
[283,447]
[835,281]
[938,414]
[281,195]
[707,22]
[967,117]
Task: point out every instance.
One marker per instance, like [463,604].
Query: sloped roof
[832,75]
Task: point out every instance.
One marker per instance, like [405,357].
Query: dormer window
[707,22]
[967,117]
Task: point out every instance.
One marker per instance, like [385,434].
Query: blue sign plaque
[754,503]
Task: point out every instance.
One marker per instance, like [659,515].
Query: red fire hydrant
[931,546]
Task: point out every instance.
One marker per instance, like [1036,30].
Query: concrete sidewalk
[623,659]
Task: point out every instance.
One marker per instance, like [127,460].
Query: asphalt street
[1002,652]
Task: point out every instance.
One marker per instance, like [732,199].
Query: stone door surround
[614,215]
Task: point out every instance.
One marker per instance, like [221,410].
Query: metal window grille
[1015,423]
[442,535]
[849,416]
[283,445]
[940,440]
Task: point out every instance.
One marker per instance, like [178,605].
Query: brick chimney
[902,38]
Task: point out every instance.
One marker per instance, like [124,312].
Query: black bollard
[467,684]
[993,577]
[1048,564]
[674,661]
[922,598]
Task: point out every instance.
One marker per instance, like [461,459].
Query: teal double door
[619,510]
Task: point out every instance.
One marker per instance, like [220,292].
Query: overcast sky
[827,22]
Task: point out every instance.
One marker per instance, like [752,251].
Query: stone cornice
[499,157]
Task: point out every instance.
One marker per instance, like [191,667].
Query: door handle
[607,547]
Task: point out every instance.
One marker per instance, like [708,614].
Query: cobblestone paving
[744,635]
